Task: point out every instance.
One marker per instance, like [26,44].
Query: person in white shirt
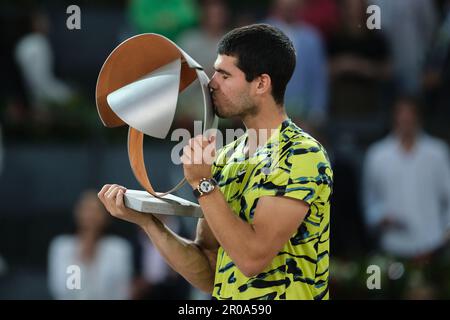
[104,264]
[406,182]
[34,56]
[407,187]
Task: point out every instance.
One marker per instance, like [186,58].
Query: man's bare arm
[194,260]
[253,246]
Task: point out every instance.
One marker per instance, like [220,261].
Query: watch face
[206,186]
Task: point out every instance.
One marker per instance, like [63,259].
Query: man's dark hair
[259,49]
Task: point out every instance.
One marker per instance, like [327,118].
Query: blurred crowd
[377,99]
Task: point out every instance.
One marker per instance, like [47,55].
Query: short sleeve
[304,174]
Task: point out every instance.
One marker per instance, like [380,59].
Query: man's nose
[212,83]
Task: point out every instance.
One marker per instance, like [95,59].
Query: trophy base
[144,202]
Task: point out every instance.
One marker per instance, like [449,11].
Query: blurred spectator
[201,44]
[409,26]
[359,63]
[306,95]
[105,261]
[157,280]
[407,190]
[169,17]
[407,182]
[322,14]
[34,56]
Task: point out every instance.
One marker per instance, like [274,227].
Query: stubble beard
[228,109]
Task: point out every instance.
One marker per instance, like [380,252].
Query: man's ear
[264,84]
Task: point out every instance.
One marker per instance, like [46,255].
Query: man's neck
[261,126]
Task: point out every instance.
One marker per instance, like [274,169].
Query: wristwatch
[204,187]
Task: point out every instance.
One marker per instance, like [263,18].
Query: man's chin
[219,113]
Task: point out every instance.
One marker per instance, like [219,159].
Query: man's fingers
[187,151]
[186,157]
[191,143]
[114,188]
[105,188]
[113,194]
[199,141]
[119,199]
[199,150]
[109,193]
[209,154]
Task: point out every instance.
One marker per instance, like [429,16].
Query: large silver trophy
[138,86]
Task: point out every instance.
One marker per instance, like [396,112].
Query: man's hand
[111,196]
[198,156]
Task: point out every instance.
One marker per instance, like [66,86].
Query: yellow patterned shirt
[291,164]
